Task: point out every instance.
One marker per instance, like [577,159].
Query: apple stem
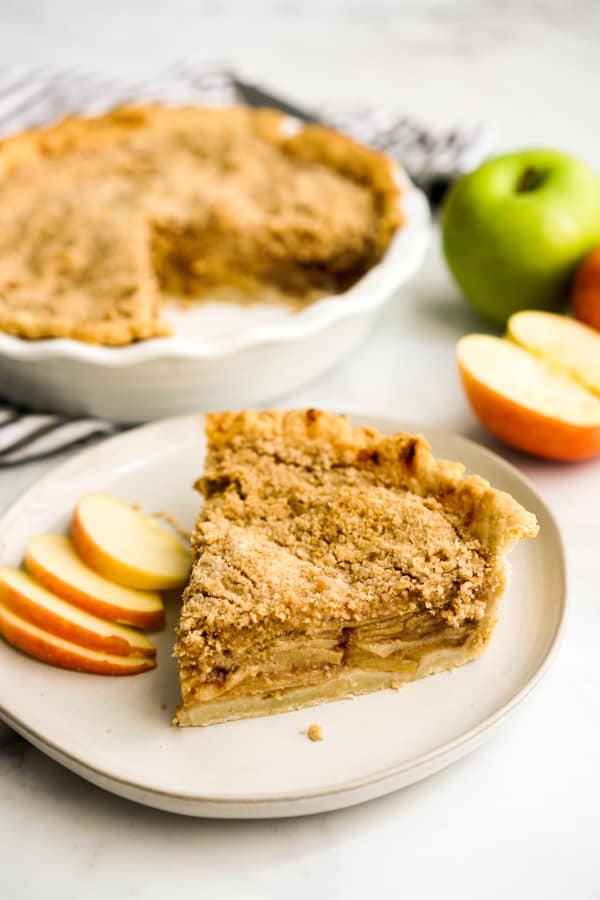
[529,180]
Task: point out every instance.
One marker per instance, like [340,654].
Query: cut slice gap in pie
[332,561]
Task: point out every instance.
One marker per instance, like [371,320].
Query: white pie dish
[221,355]
[116,732]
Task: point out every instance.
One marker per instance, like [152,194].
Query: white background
[519,818]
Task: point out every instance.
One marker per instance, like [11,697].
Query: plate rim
[444,753]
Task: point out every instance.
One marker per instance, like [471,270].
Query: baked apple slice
[126,546]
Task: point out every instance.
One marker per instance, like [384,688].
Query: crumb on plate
[314,732]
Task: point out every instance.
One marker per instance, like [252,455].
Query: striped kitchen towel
[26,436]
[34,96]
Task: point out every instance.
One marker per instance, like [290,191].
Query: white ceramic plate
[221,354]
[116,732]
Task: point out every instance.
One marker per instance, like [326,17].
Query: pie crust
[102,218]
[331,561]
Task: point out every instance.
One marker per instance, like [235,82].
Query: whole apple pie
[102,218]
[332,561]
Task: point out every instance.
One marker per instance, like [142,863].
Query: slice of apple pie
[332,561]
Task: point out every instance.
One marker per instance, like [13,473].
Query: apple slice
[527,403]
[53,560]
[563,342]
[21,593]
[59,652]
[126,546]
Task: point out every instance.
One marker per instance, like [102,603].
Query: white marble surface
[520,817]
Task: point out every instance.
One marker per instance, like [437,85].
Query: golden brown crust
[109,334]
[405,461]
[358,163]
[322,548]
[99,216]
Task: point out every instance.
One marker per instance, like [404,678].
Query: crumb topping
[99,218]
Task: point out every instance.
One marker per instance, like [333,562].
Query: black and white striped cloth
[35,96]
[26,436]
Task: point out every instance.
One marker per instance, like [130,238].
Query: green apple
[516,228]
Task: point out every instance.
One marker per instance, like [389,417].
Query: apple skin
[511,249]
[34,641]
[585,297]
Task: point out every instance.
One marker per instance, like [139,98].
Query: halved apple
[126,546]
[560,341]
[23,596]
[59,652]
[526,402]
[53,560]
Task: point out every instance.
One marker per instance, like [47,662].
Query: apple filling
[306,660]
[331,561]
